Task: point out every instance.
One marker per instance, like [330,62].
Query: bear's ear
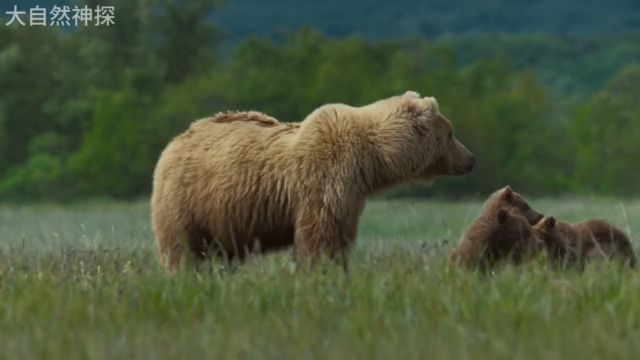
[433,106]
[507,193]
[503,216]
[550,223]
[411,94]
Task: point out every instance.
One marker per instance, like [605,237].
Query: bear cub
[507,198]
[502,232]
[574,244]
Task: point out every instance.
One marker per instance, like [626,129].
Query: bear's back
[252,117]
[232,130]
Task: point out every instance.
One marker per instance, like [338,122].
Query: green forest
[85,112]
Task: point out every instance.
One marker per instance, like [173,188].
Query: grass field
[82,282]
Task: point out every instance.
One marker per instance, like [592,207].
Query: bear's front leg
[319,233]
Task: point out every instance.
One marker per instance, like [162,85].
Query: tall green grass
[83,282]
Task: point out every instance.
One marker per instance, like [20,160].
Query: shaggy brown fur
[506,197]
[240,183]
[573,244]
[496,236]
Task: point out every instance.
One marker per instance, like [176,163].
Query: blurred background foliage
[549,103]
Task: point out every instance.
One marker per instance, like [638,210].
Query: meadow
[82,281]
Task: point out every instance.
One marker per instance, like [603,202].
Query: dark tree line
[85,113]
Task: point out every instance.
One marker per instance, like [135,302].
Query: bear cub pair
[508,229]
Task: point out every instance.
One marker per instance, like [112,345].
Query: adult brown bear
[241,183]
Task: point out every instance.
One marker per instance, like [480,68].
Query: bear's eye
[450,135]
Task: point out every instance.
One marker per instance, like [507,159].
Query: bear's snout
[463,161]
[536,218]
[467,166]
[472,163]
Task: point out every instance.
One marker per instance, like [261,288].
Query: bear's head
[512,238]
[452,157]
[555,243]
[546,228]
[414,135]
[506,197]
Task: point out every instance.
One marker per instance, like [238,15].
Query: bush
[115,158]
[40,177]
